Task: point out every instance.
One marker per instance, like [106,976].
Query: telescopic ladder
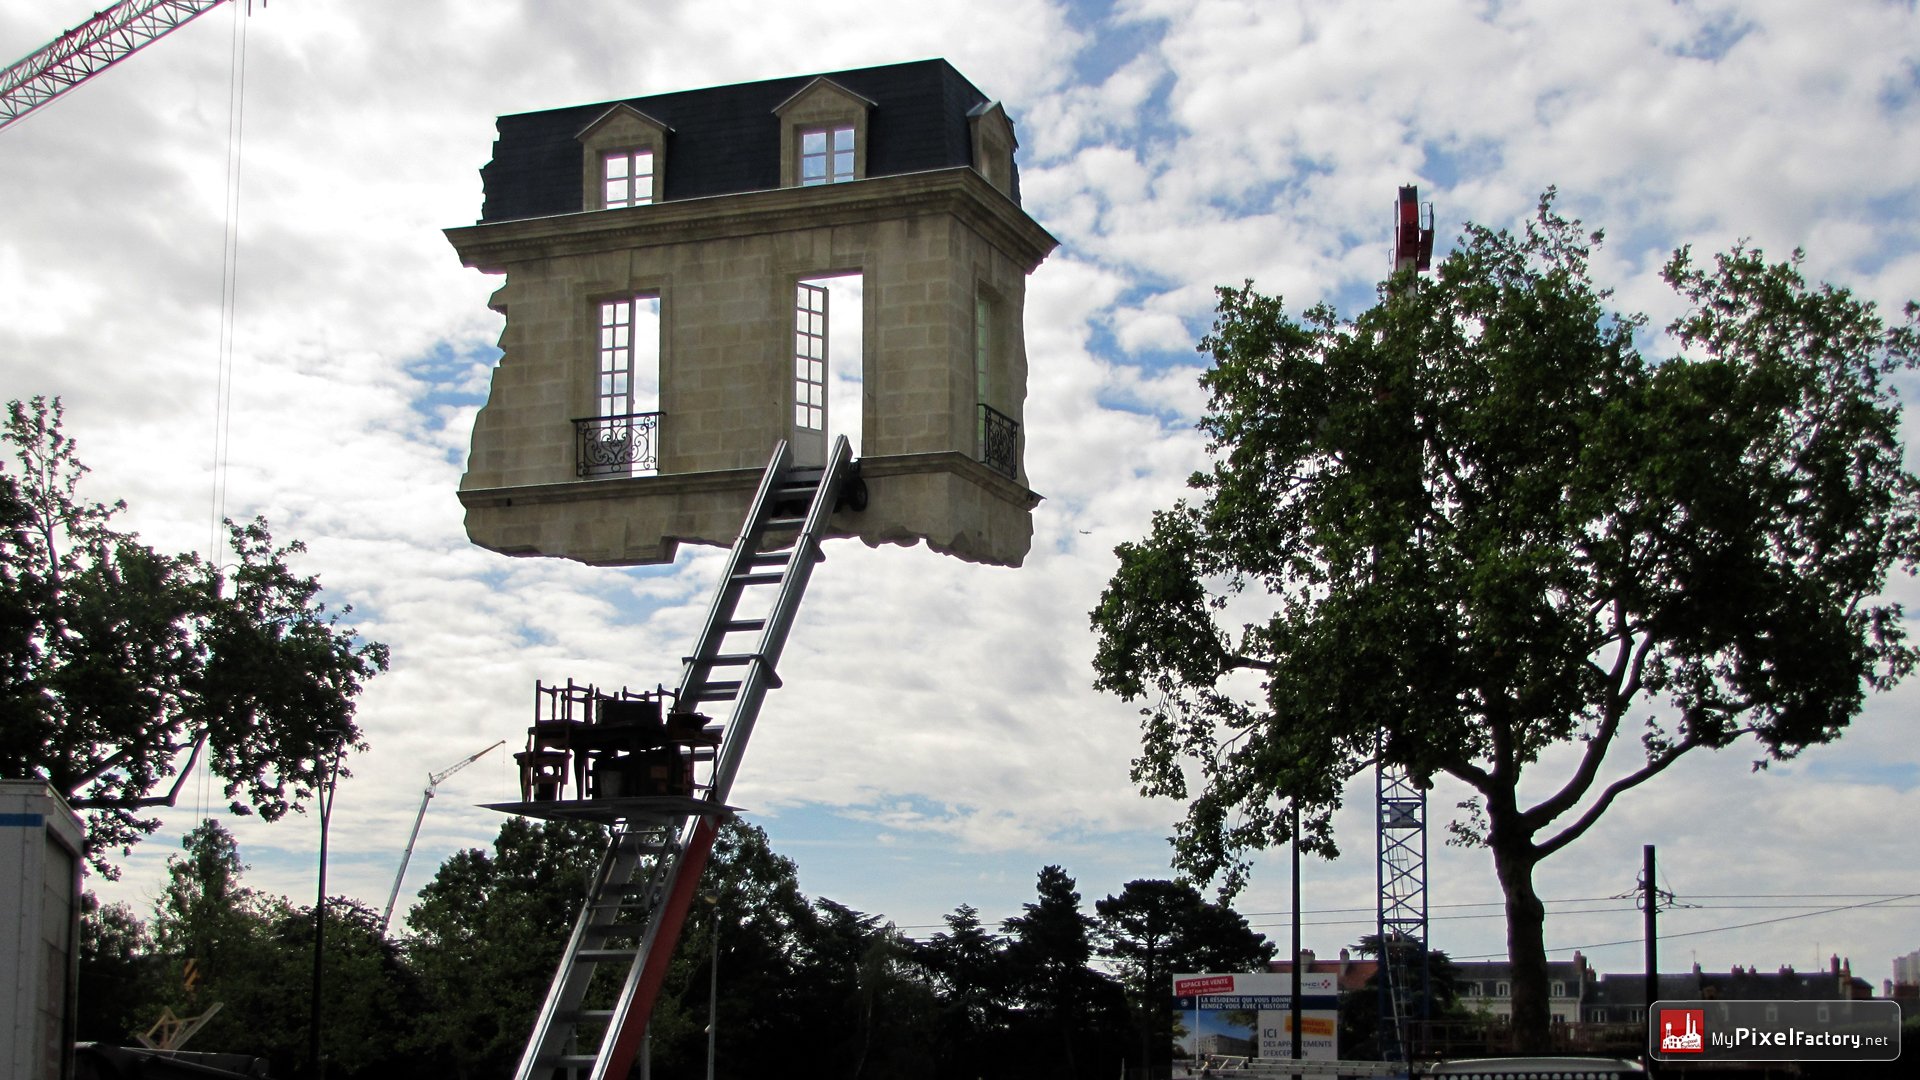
[640,892]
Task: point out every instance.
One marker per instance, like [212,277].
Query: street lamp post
[713,976]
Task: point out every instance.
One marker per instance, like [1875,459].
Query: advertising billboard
[1250,1015]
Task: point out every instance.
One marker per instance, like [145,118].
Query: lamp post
[712,900]
[325,796]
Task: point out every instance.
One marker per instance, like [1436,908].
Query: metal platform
[640,810]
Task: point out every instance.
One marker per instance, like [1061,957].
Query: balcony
[616,445]
[999,441]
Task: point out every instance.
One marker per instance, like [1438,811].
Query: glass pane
[843,139]
[813,142]
[616,166]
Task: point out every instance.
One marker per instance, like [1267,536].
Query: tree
[1065,1002]
[488,933]
[1475,523]
[119,973]
[967,967]
[1156,928]
[1434,981]
[117,660]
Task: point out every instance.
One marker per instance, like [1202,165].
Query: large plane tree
[1476,523]
[119,664]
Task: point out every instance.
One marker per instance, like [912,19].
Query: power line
[1715,929]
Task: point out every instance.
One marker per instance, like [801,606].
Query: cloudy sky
[937,740]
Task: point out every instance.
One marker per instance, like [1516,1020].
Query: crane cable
[229,280]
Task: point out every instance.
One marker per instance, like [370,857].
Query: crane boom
[108,37]
[433,781]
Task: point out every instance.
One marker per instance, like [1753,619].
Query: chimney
[1306,959]
[1833,965]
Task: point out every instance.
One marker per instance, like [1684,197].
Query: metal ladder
[645,882]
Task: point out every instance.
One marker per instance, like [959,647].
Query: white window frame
[810,357]
[627,177]
[827,154]
[622,415]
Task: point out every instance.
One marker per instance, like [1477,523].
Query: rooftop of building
[725,140]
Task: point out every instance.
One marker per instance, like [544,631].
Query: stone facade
[943,254]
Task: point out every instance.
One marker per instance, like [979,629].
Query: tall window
[826,156]
[810,358]
[620,438]
[627,176]
[982,359]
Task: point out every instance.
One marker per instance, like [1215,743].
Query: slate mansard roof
[726,139]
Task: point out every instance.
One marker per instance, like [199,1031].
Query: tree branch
[1632,780]
[1625,677]
[113,761]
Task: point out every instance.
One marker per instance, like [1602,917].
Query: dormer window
[826,156]
[823,135]
[627,177]
[623,159]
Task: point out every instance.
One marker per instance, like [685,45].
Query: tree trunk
[1514,859]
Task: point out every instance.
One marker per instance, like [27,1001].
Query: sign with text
[1251,1015]
[1774,1030]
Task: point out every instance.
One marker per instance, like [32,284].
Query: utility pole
[1650,901]
[1295,1000]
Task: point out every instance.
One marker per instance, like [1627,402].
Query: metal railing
[616,445]
[999,441]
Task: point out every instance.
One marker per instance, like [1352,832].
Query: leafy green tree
[871,1008]
[1155,928]
[751,895]
[1476,523]
[486,938]
[217,941]
[371,1000]
[1073,1018]
[120,973]
[968,970]
[1434,980]
[119,663]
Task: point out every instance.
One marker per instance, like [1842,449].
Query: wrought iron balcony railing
[999,441]
[616,445]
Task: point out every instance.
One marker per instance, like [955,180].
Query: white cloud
[924,697]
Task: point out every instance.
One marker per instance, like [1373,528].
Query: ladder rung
[569,1061]
[725,659]
[770,558]
[761,578]
[585,1016]
[614,928]
[724,690]
[735,626]
[786,522]
[597,955]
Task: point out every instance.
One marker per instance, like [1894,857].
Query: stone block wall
[725,270]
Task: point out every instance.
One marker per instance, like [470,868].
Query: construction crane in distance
[1400,798]
[433,781]
[108,37]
